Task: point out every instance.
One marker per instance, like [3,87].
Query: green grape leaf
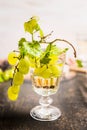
[31,26]
[45,59]
[32,49]
[22,46]
[66,49]
[50,51]
[54,50]
[79,63]
[21,42]
[35,49]
[41,33]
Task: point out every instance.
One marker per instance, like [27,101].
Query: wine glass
[46,87]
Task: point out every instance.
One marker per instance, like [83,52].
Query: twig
[64,41]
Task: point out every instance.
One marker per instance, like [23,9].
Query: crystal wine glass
[46,87]
[46,59]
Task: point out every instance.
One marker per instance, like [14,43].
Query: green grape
[23,65]
[13,57]
[18,78]
[37,71]
[32,62]
[10,71]
[55,70]
[43,72]
[11,95]
[46,73]
[15,89]
[6,75]
[54,59]
[1,79]
[1,76]
[40,70]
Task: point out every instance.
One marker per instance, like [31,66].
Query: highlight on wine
[42,56]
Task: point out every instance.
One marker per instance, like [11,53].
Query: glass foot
[49,113]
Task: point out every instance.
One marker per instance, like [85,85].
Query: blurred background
[66,18]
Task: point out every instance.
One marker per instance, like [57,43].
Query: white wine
[45,86]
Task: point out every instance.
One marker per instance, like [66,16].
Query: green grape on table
[8,74]
[1,79]
[23,65]
[1,76]
[13,57]
[18,78]
[12,95]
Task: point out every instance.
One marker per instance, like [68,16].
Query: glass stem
[45,101]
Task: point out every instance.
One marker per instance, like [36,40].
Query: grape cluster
[21,68]
[46,62]
[53,70]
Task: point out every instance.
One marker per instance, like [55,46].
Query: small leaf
[79,63]
[32,49]
[20,43]
[41,33]
[31,26]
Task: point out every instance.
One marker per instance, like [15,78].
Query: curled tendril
[63,40]
[43,40]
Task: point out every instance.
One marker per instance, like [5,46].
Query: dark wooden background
[71,99]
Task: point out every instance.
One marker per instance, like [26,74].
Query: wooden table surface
[71,99]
